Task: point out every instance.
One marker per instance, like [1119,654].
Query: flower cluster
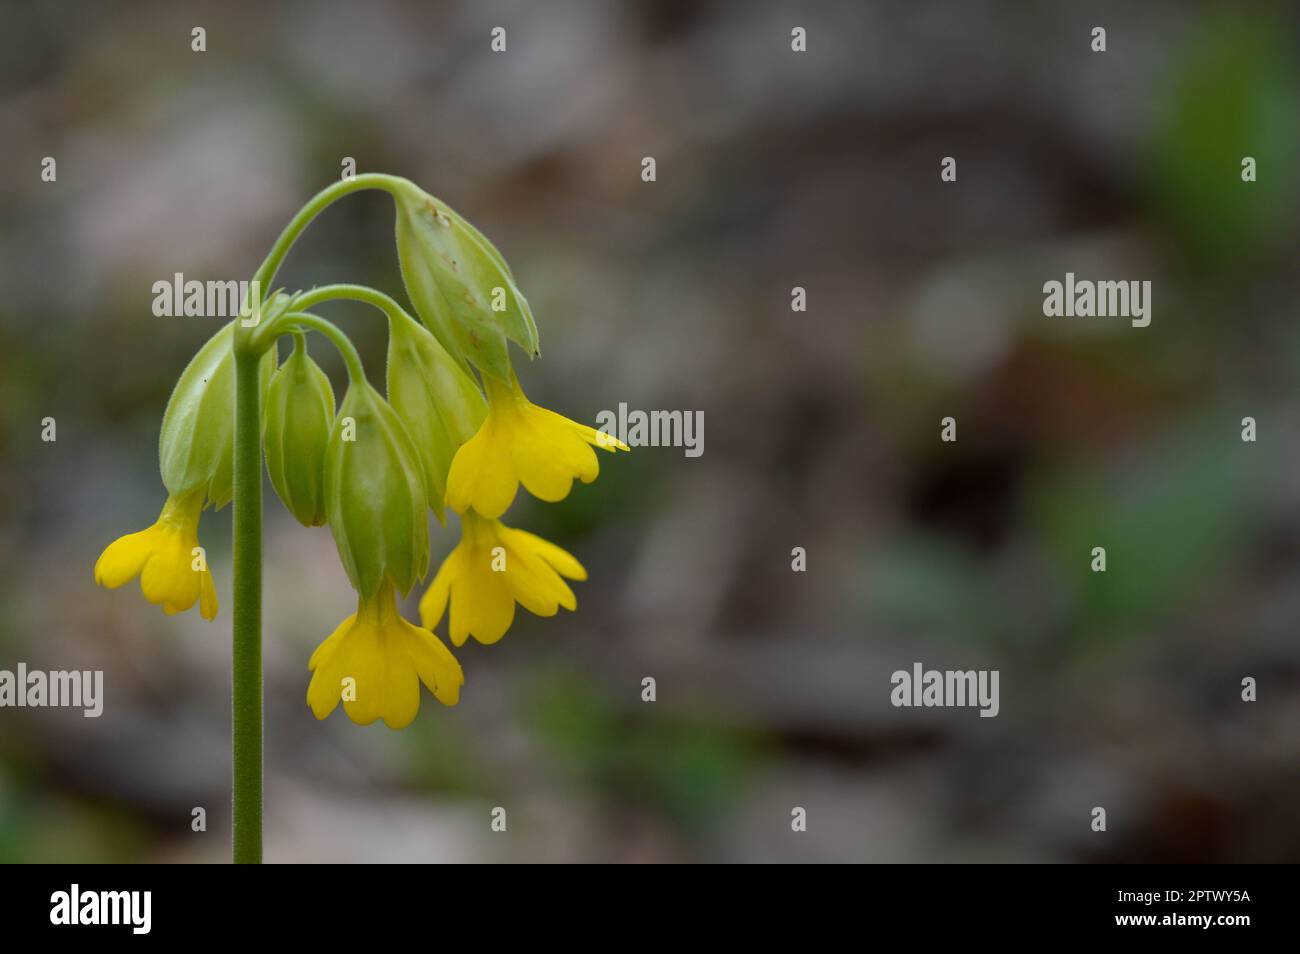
[454,431]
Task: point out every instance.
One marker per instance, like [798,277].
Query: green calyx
[460,285]
[436,399]
[376,498]
[296,429]
[196,445]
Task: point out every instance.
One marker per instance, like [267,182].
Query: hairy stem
[370,296]
[322,200]
[351,358]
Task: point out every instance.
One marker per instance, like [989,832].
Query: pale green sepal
[295,433]
[376,499]
[196,446]
[438,401]
[455,277]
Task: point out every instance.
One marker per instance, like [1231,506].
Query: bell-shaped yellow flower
[374,664]
[521,442]
[171,573]
[492,568]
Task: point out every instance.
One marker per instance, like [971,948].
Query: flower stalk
[246,626]
[373,468]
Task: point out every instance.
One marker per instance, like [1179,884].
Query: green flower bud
[375,495]
[295,432]
[460,285]
[196,447]
[438,402]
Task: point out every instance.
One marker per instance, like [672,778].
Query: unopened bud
[296,432]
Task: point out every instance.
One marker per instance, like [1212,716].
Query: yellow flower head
[374,663]
[171,573]
[520,441]
[492,568]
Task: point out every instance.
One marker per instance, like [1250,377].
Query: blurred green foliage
[1173,518]
[687,766]
[1233,94]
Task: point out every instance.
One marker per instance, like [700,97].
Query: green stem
[351,358]
[246,652]
[323,199]
[361,293]
[246,665]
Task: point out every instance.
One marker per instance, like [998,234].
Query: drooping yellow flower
[492,568]
[374,663]
[521,442]
[171,573]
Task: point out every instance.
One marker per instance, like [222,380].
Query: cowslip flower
[520,442]
[374,663]
[196,460]
[376,501]
[371,469]
[492,568]
[172,574]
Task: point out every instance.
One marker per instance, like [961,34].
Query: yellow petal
[520,442]
[387,686]
[162,556]
[548,458]
[167,577]
[434,601]
[481,606]
[539,589]
[207,597]
[582,437]
[562,560]
[534,585]
[480,593]
[601,439]
[124,558]
[436,666]
[374,663]
[482,476]
[326,688]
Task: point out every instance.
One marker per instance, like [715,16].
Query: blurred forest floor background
[775,170]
